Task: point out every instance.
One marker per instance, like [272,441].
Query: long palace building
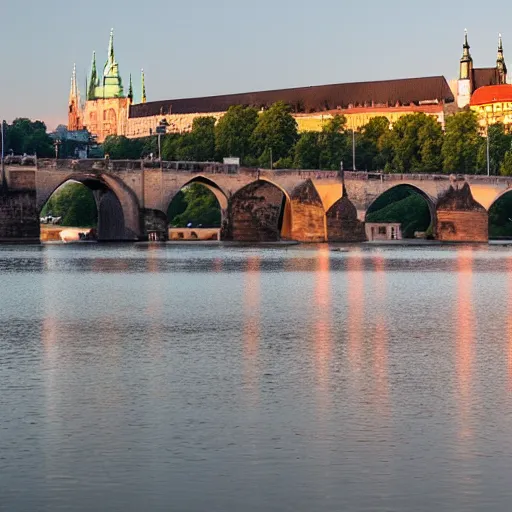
[107,110]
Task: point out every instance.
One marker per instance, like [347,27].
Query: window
[382,230]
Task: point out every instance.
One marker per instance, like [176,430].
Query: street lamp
[161,129]
[353,149]
[488,153]
[56,145]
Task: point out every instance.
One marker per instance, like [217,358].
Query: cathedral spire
[130,90]
[93,81]
[111,56]
[74,112]
[143,87]
[111,83]
[73,92]
[501,67]
[466,62]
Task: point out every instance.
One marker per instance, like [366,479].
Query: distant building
[383,231]
[471,78]
[493,104]
[74,143]
[108,111]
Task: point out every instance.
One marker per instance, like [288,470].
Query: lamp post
[488,154]
[56,145]
[353,149]
[161,129]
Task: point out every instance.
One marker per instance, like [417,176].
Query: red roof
[492,94]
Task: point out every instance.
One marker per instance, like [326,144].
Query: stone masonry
[257,204]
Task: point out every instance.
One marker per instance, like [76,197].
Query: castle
[108,111]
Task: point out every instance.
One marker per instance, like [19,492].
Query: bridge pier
[459,217]
[19,216]
[308,215]
[19,221]
[343,224]
[154,222]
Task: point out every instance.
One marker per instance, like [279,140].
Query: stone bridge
[257,204]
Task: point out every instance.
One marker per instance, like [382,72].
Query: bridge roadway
[257,204]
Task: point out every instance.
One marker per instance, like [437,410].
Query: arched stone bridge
[257,204]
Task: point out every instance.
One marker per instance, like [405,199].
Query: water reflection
[322,336]
[355,312]
[155,308]
[252,323]
[464,355]
[380,356]
[509,322]
[217,265]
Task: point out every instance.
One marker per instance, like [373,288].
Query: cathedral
[107,110]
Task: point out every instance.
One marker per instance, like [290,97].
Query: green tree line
[26,136]
[416,143]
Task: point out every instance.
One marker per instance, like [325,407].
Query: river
[235,378]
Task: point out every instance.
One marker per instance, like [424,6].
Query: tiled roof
[312,99]
[484,76]
[492,94]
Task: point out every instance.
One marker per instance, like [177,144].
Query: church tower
[110,84]
[75,120]
[465,83]
[501,66]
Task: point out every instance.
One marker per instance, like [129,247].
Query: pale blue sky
[205,47]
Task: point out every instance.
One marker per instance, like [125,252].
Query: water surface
[214,378]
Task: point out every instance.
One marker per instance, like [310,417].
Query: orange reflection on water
[465,337]
[509,322]
[252,299]
[217,265]
[152,258]
[355,298]
[322,335]
[380,357]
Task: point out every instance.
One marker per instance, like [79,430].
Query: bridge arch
[216,191]
[117,206]
[500,215]
[400,192]
[260,212]
[210,184]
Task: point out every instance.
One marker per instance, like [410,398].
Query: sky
[205,47]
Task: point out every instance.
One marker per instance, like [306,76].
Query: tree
[202,208]
[500,214]
[234,130]
[30,137]
[334,144]
[461,143]
[199,144]
[499,144]
[74,203]
[371,145]
[276,133]
[415,144]
[506,164]
[119,147]
[307,151]
[170,144]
